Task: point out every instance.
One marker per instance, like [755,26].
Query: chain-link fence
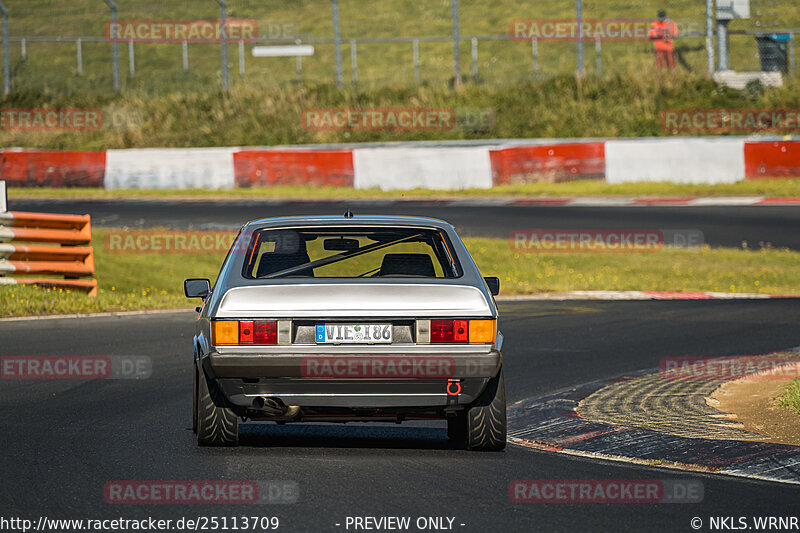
[65,45]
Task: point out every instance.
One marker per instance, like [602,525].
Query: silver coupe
[351,318]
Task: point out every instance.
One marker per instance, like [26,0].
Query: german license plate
[354,333]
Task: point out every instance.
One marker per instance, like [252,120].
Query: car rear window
[350,253]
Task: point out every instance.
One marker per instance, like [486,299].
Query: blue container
[773,49]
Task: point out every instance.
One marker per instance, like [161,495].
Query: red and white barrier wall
[707,160]
[548,162]
[429,168]
[263,168]
[170,168]
[675,160]
[47,168]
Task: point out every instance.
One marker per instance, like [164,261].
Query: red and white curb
[552,423]
[577,201]
[722,201]
[472,201]
[590,201]
[406,166]
[642,295]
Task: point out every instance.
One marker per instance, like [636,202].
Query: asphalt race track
[721,226]
[63,440]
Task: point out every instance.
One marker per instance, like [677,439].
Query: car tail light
[225,332]
[482,331]
[265,332]
[244,332]
[442,331]
[462,331]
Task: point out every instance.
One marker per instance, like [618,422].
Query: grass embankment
[155,281]
[619,105]
[791,396]
[772,188]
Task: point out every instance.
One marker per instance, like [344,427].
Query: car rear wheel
[216,426]
[486,418]
[194,399]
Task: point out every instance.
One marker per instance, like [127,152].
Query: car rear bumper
[414,381]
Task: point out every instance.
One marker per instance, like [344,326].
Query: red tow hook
[453,386]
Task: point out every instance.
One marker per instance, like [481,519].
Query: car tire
[486,418]
[216,426]
[194,399]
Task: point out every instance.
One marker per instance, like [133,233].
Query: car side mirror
[196,288]
[494,284]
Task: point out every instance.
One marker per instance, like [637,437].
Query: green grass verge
[791,396]
[617,105]
[155,281]
[687,270]
[768,187]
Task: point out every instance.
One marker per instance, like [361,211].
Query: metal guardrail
[67,253]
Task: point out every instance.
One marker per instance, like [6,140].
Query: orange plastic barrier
[65,256]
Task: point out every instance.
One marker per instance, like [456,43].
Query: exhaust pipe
[275,407]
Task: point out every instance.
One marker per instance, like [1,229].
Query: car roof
[356,220]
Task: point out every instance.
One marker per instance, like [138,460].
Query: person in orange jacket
[662,33]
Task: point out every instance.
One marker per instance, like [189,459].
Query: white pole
[6,60]
[579,18]
[241,58]
[337,43]
[185,55]
[416,60]
[598,52]
[80,57]
[456,46]
[298,62]
[710,36]
[353,61]
[474,57]
[3,197]
[114,48]
[223,15]
[131,60]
